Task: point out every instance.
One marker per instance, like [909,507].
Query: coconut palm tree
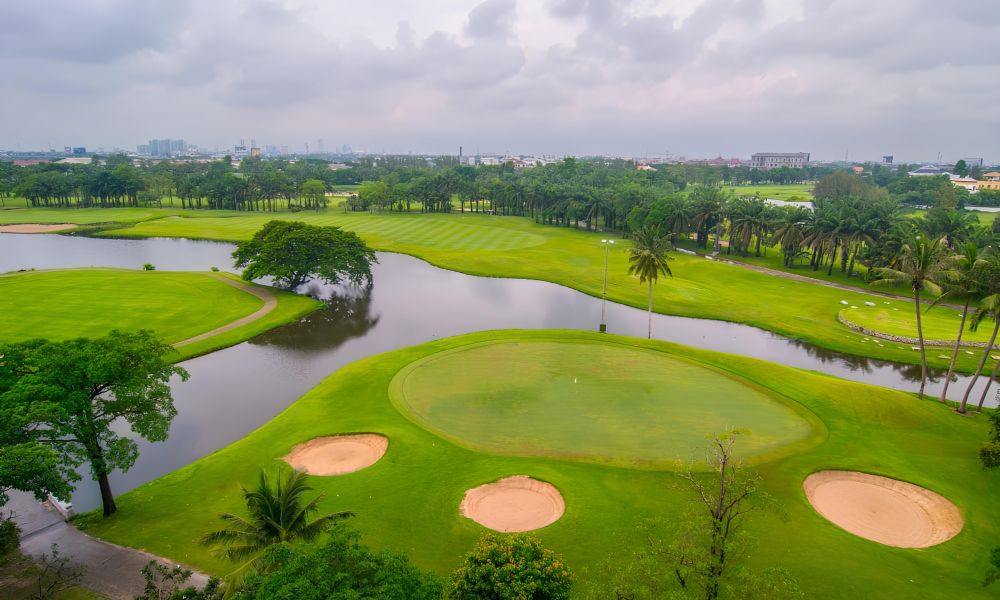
[965,284]
[924,265]
[276,512]
[989,308]
[648,259]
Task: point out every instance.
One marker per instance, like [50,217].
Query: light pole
[604,294]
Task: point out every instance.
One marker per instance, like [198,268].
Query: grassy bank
[409,500]
[65,304]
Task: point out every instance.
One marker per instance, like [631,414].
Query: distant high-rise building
[973,162]
[284,149]
[776,160]
[79,150]
[164,147]
[319,145]
[887,159]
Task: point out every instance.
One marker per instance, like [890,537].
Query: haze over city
[698,78]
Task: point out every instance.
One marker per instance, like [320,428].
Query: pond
[233,391]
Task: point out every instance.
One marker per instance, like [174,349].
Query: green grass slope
[409,500]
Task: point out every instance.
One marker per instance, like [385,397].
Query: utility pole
[604,294]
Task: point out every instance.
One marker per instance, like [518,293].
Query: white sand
[884,510]
[338,454]
[35,228]
[517,503]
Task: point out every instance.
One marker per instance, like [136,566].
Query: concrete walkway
[112,570]
[270,302]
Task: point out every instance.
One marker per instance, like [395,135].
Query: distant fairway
[439,231]
[587,401]
[792,192]
[897,318]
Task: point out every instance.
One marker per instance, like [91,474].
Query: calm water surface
[233,391]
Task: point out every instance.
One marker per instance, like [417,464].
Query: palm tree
[966,284]
[276,514]
[925,263]
[989,308]
[649,258]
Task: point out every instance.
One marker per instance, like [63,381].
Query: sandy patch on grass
[35,227]
[888,511]
[516,503]
[338,454]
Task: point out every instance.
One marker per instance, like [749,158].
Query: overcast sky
[912,78]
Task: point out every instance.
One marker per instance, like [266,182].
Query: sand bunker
[884,510]
[516,503]
[338,454]
[35,228]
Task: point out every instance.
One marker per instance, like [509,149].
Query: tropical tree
[511,567]
[277,512]
[925,265]
[648,258]
[965,284]
[989,308]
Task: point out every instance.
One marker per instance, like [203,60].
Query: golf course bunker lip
[514,504]
[35,227]
[884,510]
[338,454]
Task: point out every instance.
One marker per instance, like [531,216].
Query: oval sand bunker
[514,504]
[884,510]
[338,454]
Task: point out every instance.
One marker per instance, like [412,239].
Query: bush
[10,536]
[215,269]
[511,567]
[149,267]
[990,453]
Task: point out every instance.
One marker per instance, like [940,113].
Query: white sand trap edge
[338,454]
[884,510]
[514,504]
[35,227]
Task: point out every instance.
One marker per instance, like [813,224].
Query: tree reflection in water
[347,315]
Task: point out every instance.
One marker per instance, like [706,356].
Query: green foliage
[276,513]
[149,267]
[292,252]
[73,396]
[167,583]
[339,569]
[962,168]
[57,574]
[993,573]
[989,454]
[510,567]
[10,536]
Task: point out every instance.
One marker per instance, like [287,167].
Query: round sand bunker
[888,511]
[512,504]
[338,454]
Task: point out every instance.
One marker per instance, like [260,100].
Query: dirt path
[112,570]
[270,302]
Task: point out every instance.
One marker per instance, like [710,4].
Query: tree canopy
[293,252]
[511,567]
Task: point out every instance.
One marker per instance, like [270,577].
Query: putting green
[596,402]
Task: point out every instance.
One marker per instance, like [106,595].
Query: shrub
[511,567]
[149,267]
[10,536]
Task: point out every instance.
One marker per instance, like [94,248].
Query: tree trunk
[982,363]
[954,354]
[649,334]
[107,498]
[989,381]
[920,339]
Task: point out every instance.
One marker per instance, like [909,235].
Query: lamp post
[604,294]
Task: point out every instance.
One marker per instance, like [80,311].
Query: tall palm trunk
[982,363]
[920,339]
[649,334]
[993,375]
[954,354]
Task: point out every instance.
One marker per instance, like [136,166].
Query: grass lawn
[409,500]
[792,192]
[73,303]
[897,318]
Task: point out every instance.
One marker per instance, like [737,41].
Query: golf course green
[177,306]
[409,500]
[601,402]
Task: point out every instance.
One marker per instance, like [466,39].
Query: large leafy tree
[293,252]
[648,258]
[277,512]
[339,568]
[74,395]
[511,567]
[924,266]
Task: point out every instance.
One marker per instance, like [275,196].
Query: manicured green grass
[792,192]
[409,500]
[80,216]
[587,401]
[897,318]
[73,303]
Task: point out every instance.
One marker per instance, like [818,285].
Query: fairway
[604,403]
[176,306]
[898,318]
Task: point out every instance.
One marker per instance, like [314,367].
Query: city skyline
[699,79]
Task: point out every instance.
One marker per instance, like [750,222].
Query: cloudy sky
[912,78]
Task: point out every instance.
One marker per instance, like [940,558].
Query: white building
[776,160]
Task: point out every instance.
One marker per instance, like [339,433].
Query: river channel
[233,391]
